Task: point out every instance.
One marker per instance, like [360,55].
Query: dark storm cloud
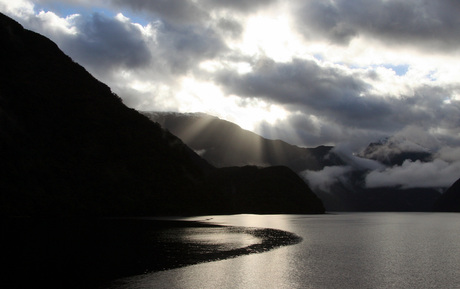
[433,24]
[341,102]
[187,11]
[238,5]
[300,129]
[318,90]
[104,43]
[183,48]
[177,12]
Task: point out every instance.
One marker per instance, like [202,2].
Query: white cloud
[324,179]
[435,174]
[345,152]
[17,8]
[53,24]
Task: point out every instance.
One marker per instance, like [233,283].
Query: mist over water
[353,250]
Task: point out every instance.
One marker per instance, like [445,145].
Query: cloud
[439,173]
[327,177]
[144,64]
[324,98]
[18,9]
[345,152]
[177,12]
[449,154]
[238,5]
[415,139]
[435,174]
[95,40]
[319,89]
[105,43]
[301,128]
[185,47]
[193,12]
[328,95]
[324,179]
[424,24]
[230,27]
[411,142]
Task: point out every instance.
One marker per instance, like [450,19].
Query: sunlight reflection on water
[362,250]
[282,222]
[220,238]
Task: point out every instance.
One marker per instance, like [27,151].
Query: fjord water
[344,250]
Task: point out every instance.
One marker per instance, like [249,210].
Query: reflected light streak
[248,220]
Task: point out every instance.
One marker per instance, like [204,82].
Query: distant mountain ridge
[70,147]
[224,144]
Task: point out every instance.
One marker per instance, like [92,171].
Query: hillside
[224,144]
[450,200]
[69,146]
[251,189]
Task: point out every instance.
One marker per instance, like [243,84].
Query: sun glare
[251,113]
[197,96]
[271,36]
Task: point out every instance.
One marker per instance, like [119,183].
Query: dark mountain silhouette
[450,200]
[69,146]
[354,196]
[259,190]
[224,144]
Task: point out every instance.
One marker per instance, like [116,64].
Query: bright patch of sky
[398,69]
[65,9]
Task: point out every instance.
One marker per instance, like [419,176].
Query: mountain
[389,152]
[252,189]
[450,200]
[69,146]
[224,144]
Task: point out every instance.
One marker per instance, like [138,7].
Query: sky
[310,72]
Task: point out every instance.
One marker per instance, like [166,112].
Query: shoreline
[90,253]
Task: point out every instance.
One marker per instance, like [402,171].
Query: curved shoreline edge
[92,253]
[270,239]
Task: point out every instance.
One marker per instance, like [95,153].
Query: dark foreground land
[88,253]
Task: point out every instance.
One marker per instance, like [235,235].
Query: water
[353,250]
[216,238]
